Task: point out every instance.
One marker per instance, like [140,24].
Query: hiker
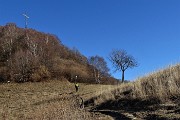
[76,86]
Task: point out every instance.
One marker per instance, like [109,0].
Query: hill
[29,55]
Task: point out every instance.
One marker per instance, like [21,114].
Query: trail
[133,109]
[117,115]
[103,114]
[112,114]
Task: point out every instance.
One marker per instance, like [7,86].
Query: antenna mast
[26,19]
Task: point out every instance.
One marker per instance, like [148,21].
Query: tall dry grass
[163,85]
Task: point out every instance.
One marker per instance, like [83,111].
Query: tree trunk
[98,77]
[122,76]
[95,75]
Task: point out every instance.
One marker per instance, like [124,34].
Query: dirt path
[118,115]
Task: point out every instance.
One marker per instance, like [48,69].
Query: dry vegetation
[28,55]
[155,96]
[53,100]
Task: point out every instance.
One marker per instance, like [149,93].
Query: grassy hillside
[155,96]
[53,100]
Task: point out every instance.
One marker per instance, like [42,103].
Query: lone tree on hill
[122,61]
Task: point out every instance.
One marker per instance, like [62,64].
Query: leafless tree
[100,67]
[10,34]
[122,61]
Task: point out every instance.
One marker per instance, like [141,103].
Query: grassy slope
[46,100]
[155,96]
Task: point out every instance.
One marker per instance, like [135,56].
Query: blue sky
[147,29]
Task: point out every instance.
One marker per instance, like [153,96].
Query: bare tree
[122,61]
[10,34]
[100,67]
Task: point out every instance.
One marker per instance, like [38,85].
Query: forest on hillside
[27,55]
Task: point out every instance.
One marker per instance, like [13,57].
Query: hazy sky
[147,29]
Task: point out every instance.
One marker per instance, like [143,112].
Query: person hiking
[76,86]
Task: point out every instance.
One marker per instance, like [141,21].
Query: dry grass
[53,100]
[158,92]
[163,85]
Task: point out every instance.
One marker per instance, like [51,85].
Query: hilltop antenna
[26,19]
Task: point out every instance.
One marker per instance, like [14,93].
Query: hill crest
[29,55]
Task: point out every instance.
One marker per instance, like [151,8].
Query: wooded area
[29,55]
